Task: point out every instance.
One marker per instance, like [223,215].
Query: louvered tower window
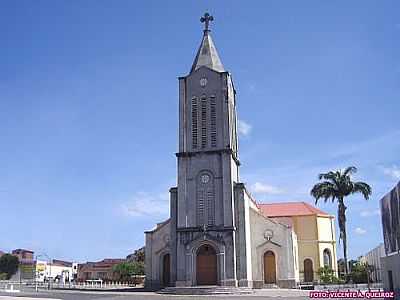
[200,206]
[210,206]
[213,125]
[194,122]
[203,122]
[205,199]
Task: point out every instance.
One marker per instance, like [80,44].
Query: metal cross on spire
[206,19]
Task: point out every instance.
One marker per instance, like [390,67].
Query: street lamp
[36,272]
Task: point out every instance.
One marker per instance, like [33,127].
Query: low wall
[352,286]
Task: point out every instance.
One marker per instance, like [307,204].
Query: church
[217,234]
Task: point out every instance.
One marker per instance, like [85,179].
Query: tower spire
[207,54]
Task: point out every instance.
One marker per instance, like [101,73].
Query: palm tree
[336,186]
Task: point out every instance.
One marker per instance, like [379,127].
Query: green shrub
[359,273]
[327,275]
[126,270]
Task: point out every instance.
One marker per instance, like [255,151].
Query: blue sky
[88,111]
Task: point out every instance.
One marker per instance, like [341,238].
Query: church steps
[205,290]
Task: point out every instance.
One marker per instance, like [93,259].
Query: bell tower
[202,205]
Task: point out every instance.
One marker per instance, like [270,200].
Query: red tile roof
[106,263]
[287,209]
[16,251]
[57,262]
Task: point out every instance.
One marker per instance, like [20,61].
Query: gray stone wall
[190,168]
[242,237]
[281,243]
[218,86]
[251,244]
[391,264]
[157,245]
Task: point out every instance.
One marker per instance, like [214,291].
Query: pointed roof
[288,209]
[207,54]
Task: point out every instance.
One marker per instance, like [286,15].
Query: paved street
[83,295]
[89,295]
[29,294]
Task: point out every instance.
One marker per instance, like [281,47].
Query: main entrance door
[206,266]
[166,270]
[308,270]
[269,267]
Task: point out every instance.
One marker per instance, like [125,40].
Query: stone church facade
[216,234]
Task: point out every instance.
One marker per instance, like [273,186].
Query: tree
[138,268]
[336,186]
[360,273]
[341,266]
[351,263]
[126,270]
[8,265]
[327,275]
[137,255]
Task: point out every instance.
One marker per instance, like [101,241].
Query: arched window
[205,199]
[327,258]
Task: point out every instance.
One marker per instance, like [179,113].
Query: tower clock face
[205,178]
[203,82]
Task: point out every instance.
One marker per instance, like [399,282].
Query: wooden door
[269,267]
[166,270]
[308,270]
[206,266]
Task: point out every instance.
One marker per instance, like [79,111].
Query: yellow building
[315,232]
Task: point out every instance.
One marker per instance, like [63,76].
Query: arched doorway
[206,266]
[308,270]
[166,270]
[269,267]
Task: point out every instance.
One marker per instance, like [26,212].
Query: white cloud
[146,204]
[360,231]
[393,171]
[262,188]
[244,128]
[370,213]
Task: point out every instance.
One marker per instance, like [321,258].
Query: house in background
[26,268]
[58,270]
[64,271]
[373,258]
[99,270]
[23,254]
